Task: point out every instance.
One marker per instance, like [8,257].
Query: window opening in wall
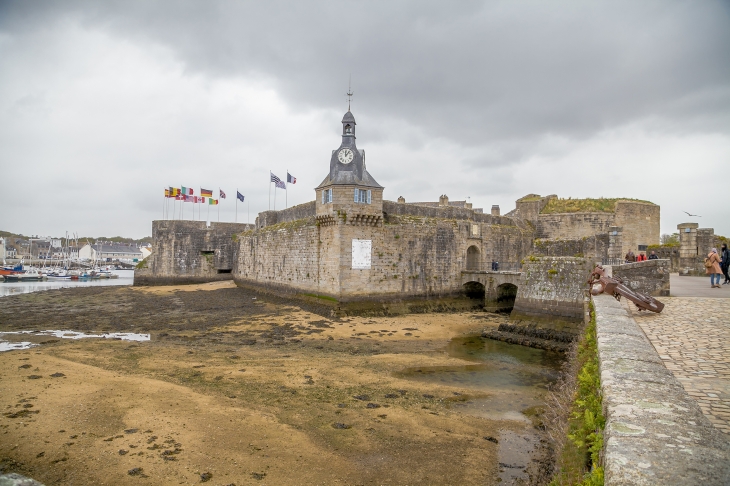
[363,196]
[326,196]
[643,247]
[207,252]
[224,270]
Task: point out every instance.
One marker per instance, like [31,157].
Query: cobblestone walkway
[692,337]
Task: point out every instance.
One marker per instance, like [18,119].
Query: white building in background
[2,248]
[111,252]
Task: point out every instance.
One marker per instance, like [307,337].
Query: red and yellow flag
[206,192]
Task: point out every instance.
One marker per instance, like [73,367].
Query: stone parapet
[650,277]
[655,432]
[294,213]
[552,292]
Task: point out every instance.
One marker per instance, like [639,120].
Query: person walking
[725,262]
[712,268]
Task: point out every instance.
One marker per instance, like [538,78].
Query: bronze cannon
[615,286]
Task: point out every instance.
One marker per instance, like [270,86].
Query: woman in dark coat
[725,262]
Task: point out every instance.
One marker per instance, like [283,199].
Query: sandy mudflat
[236,387]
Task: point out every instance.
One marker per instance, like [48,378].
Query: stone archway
[473,258]
[474,290]
[501,298]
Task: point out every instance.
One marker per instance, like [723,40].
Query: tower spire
[349,93]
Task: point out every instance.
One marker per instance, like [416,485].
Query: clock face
[345,156]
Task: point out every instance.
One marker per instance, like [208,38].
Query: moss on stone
[600,205]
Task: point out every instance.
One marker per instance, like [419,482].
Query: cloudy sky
[103,104]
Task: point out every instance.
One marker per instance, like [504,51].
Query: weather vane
[349,93]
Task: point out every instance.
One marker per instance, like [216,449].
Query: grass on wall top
[600,205]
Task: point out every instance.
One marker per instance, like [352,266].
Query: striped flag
[277,182]
[167,192]
[290,178]
[187,191]
[212,202]
[206,192]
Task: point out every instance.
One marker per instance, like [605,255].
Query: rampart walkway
[692,338]
[656,433]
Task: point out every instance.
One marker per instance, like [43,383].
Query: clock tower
[349,192]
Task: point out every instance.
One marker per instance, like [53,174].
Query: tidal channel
[504,382]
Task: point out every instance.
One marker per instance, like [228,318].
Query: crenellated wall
[414,258]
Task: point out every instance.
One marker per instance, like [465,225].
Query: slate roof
[349,118]
[349,178]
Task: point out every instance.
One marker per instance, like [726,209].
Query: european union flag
[239,196]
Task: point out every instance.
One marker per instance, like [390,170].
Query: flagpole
[248,212]
[218,203]
[236,205]
[286,194]
[208,217]
[270,190]
[274,196]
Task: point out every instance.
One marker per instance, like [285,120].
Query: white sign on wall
[361,250]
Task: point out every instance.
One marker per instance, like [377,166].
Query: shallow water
[13,340]
[126,277]
[507,381]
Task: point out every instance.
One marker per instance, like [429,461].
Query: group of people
[641,257]
[716,265]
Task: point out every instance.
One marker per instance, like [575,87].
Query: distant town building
[111,252]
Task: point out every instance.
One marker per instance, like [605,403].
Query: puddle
[514,455]
[8,339]
[6,346]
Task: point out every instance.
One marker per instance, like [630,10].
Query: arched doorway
[474,290]
[472,258]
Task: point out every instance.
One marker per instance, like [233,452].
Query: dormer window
[348,129]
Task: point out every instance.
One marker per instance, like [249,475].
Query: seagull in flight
[692,215]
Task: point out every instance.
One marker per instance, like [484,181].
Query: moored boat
[26,276]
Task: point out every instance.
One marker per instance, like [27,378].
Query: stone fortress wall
[189,252]
[416,252]
[351,245]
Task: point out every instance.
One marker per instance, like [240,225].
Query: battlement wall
[445,212]
[414,259]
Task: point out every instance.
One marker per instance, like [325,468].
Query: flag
[280,185]
[174,192]
[212,201]
[290,178]
[222,194]
[179,197]
[206,192]
[167,192]
[187,191]
[190,198]
[240,196]
[274,178]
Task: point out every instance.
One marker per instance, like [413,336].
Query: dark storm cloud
[476,72]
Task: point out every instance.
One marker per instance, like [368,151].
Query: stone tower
[349,194]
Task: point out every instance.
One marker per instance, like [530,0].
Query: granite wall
[551,293]
[650,277]
[189,252]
